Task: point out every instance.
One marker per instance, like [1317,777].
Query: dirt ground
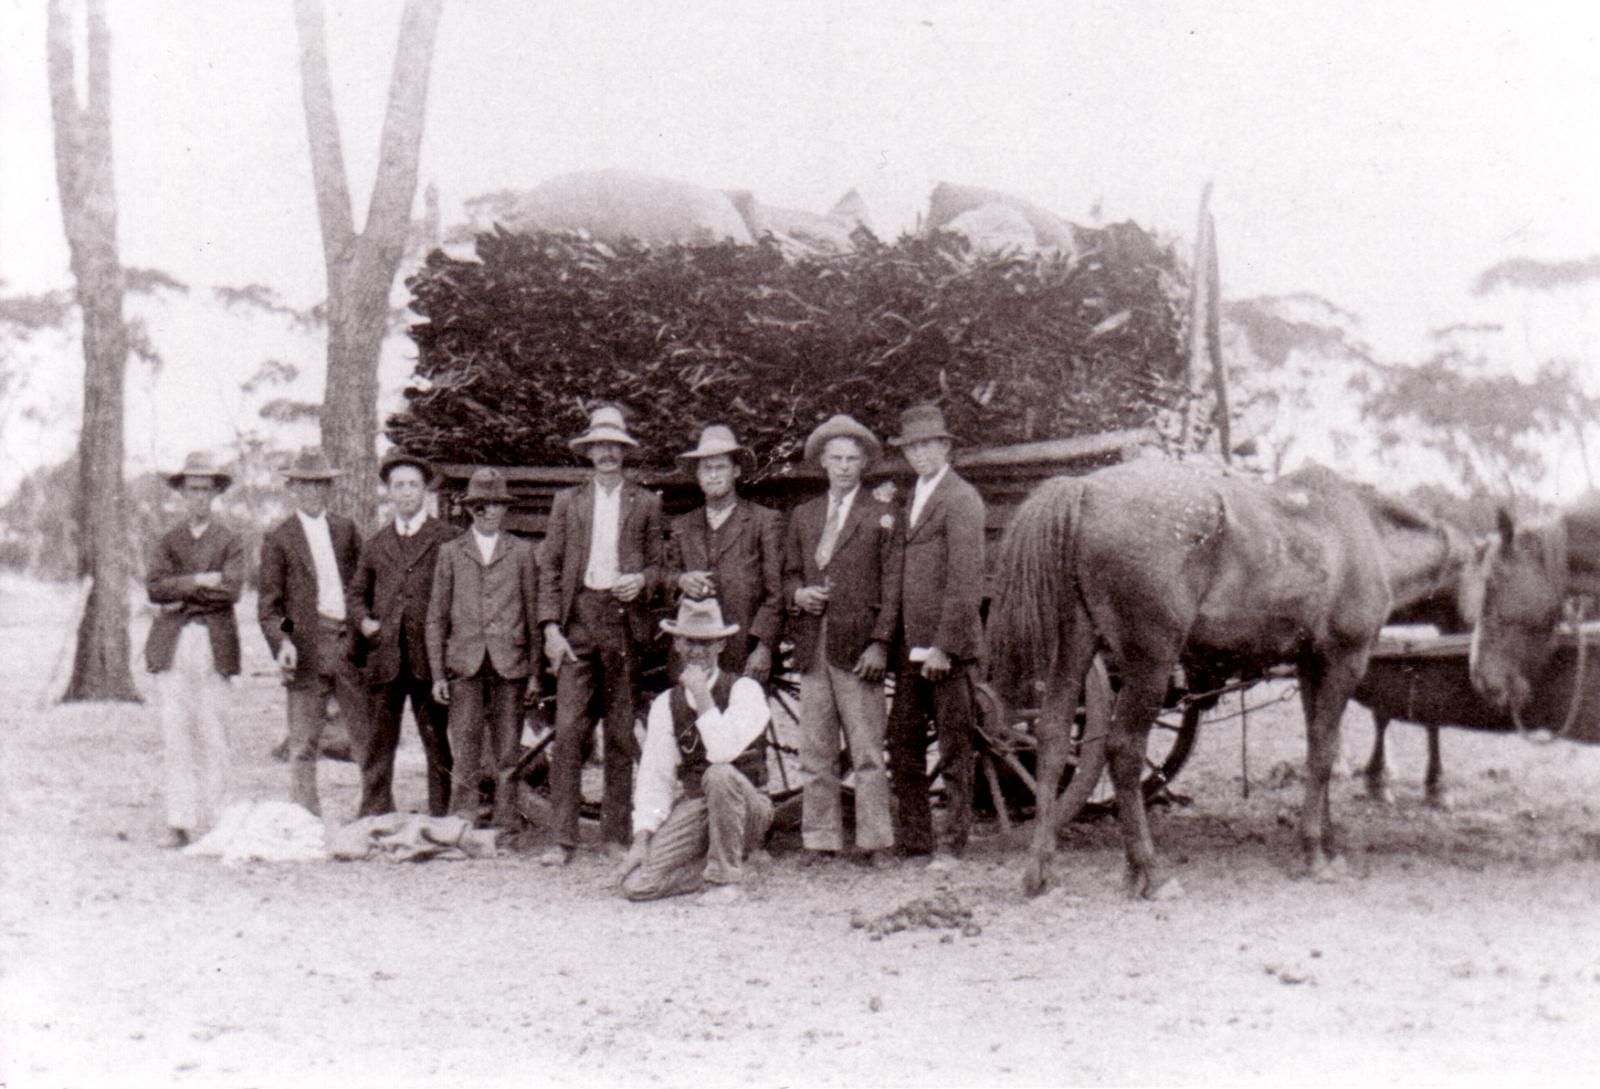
[1461,948]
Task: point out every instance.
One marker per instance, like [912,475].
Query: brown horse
[1532,573]
[1160,565]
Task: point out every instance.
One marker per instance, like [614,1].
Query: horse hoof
[1329,870]
[1170,889]
[1440,801]
[1034,880]
[1380,794]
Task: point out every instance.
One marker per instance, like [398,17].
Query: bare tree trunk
[361,267]
[89,213]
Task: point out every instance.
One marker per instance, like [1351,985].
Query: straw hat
[842,427]
[699,620]
[605,425]
[715,440]
[311,464]
[487,485]
[397,457]
[200,465]
[919,423]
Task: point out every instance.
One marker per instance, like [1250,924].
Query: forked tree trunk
[361,267]
[89,212]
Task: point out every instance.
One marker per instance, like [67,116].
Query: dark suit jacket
[746,559]
[288,582]
[564,553]
[943,583]
[174,561]
[479,609]
[393,580]
[863,573]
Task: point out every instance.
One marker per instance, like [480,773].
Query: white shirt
[725,735]
[603,570]
[198,531]
[925,486]
[485,545]
[330,586]
[716,519]
[844,506]
[409,527]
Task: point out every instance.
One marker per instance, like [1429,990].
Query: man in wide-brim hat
[307,562]
[705,742]
[842,576]
[939,639]
[730,549]
[482,645]
[388,604]
[195,573]
[601,563]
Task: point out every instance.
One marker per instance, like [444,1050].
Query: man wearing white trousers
[195,574]
[698,809]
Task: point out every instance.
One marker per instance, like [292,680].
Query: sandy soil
[1460,949]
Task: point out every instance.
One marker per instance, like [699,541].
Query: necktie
[830,532]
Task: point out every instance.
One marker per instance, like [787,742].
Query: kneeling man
[705,742]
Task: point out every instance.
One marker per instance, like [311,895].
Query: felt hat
[605,425]
[200,465]
[398,457]
[486,485]
[842,427]
[920,423]
[714,440]
[311,464]
[699,620]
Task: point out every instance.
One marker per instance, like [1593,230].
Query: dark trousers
[375,751]
[308,710]
[475,737]
[949,703]
[601,683]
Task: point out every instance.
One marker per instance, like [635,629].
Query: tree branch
[395,187]
[64,111]
[322,128]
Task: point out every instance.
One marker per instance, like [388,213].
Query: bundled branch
[518,344]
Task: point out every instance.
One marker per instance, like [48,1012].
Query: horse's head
[1524,584]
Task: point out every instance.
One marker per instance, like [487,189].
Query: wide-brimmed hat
[919,423]
[605,425]
[715,440]
[397,457]
[699,620]
[311,464]
[486,485]
[200,464]
[842,427]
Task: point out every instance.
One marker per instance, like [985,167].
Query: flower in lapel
[884,493]
[886,522]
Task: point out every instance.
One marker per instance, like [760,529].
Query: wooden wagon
[1004,476]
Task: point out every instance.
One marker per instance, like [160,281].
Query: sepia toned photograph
[928,543]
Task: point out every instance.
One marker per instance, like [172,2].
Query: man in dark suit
[730,549]
[195,574]
[307,560]
[940,638]
[388,603]
[841,566]
[482,645]
[601,561]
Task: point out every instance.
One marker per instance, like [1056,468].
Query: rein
[1575,702]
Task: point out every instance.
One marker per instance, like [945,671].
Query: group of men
[454,623]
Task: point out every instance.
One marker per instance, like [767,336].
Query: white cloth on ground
[264,832]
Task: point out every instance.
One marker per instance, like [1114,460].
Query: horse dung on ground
[1160,565]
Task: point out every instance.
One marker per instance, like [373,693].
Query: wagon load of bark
[516,343]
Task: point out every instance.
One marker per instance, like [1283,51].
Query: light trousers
[831,698]
[704,840]
[193,698]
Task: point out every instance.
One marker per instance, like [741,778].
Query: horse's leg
[1377,769]
[1144,685]
[1437,794]
[1053,734]
[1325,688]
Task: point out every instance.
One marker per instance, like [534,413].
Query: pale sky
[1380,154]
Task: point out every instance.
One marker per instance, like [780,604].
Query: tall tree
[89,213]
[361,267]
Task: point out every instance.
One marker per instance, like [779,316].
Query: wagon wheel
[1006,752]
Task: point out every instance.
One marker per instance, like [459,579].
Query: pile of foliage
[517,345]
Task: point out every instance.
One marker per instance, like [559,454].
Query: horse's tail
[1036,585]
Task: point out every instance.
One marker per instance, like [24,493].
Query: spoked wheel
[1007,754]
